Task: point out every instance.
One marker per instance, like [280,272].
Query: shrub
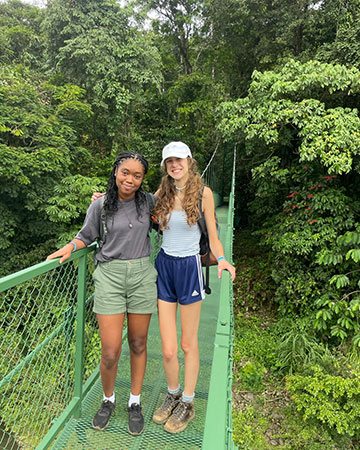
[333,400]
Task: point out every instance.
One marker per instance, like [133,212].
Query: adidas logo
[195,293]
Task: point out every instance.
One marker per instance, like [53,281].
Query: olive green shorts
[125,286]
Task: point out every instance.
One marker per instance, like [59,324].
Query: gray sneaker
[102,417]
[162,414]
[180,418]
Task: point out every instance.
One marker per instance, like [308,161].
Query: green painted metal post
[80,325]
[69,320]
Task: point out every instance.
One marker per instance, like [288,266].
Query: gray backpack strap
[150,201]
[102,230]
[103,227]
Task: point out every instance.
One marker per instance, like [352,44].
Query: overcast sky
[31,2]
[36,2]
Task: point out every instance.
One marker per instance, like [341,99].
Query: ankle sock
[134,399]
[174,391]
[187,398]
[111,398]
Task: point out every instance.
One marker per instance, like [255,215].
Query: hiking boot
[162,414]
[136,419]
[181,416]
[102,417]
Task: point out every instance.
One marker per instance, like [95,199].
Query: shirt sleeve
[90,230]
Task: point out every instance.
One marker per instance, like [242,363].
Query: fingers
[54,255]
[59,253]
[225,265]
[96,195]
[64,258]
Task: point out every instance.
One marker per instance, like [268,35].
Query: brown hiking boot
[181,416]
[162,414]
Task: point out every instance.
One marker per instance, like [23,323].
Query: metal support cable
[212,157]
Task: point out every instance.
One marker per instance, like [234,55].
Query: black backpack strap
[207,274]
[203,229]
[201,221]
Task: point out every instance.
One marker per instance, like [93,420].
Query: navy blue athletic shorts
[179,278]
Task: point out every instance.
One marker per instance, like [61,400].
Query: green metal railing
[46,326]
[219,407]
[50,350]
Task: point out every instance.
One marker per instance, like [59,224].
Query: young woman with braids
[180,279]
[124,278]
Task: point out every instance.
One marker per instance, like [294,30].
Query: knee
[169,353]
[137,345]
[189,346]
[110,357]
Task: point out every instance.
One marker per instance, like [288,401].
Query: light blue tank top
[181,239]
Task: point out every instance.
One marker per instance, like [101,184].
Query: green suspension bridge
[50,384]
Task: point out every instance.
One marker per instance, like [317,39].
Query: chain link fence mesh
[37,341]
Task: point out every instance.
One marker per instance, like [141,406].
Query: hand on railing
[225,265]
[65,252]
[96,195]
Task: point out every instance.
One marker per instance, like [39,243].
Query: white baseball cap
[175,149]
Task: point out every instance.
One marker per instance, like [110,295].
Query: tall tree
[21,39]
[182,22]
[39,146]
[257,34]
[340,32]
[93,44]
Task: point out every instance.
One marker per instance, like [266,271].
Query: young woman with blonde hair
[180,278]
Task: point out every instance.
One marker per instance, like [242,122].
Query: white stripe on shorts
[200,275]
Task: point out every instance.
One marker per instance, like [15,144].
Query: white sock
[134,399]
[175,391]
[187,398]
[111,398]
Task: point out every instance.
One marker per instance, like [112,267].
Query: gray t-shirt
[122,241]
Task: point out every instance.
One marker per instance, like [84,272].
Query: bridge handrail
[14,279]
[219,406]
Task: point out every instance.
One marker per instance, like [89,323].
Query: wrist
[75,246]
[221,257]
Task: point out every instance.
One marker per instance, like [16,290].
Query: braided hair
[111,199]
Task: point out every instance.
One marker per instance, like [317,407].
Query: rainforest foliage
[81,81]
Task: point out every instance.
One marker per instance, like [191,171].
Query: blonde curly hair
[166,197]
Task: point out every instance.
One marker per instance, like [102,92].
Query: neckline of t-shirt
[126,201]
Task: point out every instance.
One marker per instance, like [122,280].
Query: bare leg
[111,328]
[167,322]
[138,326]
[190,318]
